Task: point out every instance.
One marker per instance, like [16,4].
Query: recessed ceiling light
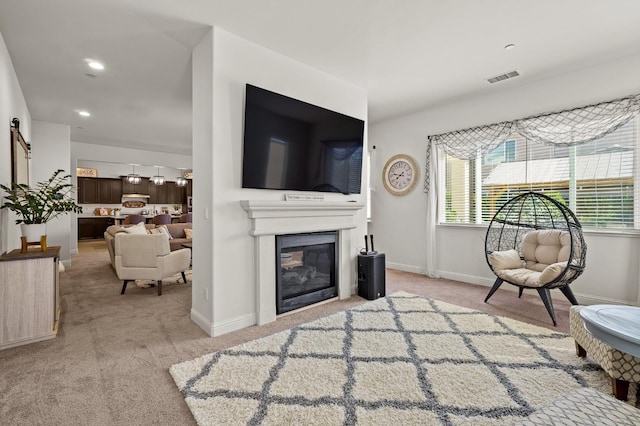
[84,113]
[94,64]
[509,46]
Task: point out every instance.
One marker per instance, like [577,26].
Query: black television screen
[293,145]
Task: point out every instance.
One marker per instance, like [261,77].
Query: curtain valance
[567,128]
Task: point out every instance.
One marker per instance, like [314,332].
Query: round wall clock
[400,174]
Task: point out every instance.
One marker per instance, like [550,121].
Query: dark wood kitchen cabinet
[93,227]
[175,194]
[167,194]
[157,194]
[139,188]
[110,191]
[88,191]
[99,191]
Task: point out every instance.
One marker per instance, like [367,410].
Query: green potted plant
[37,205]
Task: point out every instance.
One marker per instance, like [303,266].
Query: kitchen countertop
[119,217]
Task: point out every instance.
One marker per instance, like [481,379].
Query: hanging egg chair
[536,242]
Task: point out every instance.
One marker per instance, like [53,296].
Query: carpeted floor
[403,359]
[109,364]
[175,279]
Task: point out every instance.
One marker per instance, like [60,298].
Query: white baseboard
[202,322]
[591,300]
[233,324]
[222,327]
[583,299]
[406,268]
[465,278]
[73,252]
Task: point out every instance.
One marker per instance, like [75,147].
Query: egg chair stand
[536,242]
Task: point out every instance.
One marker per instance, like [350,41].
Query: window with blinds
[597,180]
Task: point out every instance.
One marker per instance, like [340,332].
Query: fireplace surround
[271,218]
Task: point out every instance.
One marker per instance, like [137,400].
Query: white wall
[85,151]
[202,130]
[50,151]
[399,223]
[12,104]
[237,62]
[102,153]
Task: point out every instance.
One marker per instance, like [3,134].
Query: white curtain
[435,159]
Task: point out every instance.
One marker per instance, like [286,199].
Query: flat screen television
[293,145]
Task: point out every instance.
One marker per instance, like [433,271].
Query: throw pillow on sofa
[136,229]
[188,232]
[163,229]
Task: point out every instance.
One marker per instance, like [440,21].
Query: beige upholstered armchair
[139,256]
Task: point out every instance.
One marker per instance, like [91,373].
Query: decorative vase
[33,232]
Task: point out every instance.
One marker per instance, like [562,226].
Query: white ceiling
[408,54]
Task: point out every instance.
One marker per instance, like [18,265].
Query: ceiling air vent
[502,77]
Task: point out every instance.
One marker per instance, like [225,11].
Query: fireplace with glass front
[306,269]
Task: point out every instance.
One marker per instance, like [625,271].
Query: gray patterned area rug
[402,360]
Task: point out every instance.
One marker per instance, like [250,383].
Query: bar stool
[161,219]
[133,219]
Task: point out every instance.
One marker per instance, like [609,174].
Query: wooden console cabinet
[29,296]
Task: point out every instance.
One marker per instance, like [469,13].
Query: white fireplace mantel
[291,217]
[271,218]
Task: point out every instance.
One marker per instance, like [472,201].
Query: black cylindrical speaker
[371,276]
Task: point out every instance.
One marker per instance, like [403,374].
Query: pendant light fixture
[157,179]
[181,180]
[133,177]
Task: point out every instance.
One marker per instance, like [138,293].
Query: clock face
[400,174]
